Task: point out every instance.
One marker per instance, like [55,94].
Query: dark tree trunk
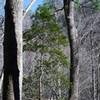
[12,50]
[67,14]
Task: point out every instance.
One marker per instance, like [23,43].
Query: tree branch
[57,10]
[29,7]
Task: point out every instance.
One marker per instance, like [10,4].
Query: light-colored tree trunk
[59,83]
[12,81]
[41,76]
[41,85]
[73,38]
[75,41]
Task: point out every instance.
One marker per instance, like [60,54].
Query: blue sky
[35,5]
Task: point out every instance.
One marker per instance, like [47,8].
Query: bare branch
[2,27]
[57,10]
[29,7]
[2,37]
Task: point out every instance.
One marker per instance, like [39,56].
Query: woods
[46,39]
[52,52]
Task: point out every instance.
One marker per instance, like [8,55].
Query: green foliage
[96,4]
[44,13]
[77,4]
[60,56]
[46,38]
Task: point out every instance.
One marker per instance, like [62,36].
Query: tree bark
[73,38]
[12,82]
[67,14]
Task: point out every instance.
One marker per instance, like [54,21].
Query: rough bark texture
[12,82]
[67,14]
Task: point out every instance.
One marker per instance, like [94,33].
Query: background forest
[47,68]
[61,58]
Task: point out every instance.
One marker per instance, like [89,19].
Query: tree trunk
[59,83]
[73,38]
[12,82]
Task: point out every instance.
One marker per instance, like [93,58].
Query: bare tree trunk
[72,35]
[75,43]
[59,83]
[40,95]
[12,82]
[67,14]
